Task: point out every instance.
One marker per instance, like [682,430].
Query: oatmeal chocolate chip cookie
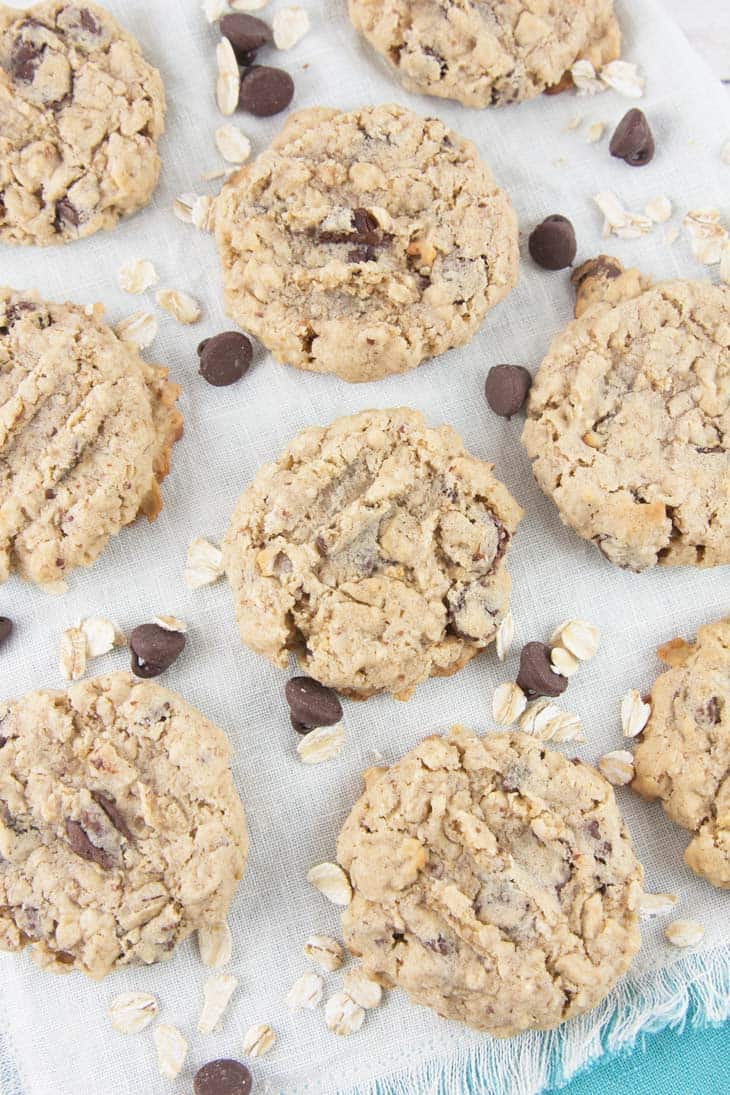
[81,113]
[494,880]
[86,429]
[362,243]
[629,416]
[121,831]
[373,549]
[490,53]
[684,756]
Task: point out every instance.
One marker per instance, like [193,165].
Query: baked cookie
[490,53]
[493,879]
[121,831]
[362,243]
[86,429]
[81,113]
[684,755]
[373,549]
[629,416]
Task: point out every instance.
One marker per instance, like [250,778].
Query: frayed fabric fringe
[694,989]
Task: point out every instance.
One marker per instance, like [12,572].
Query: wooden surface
[707,25]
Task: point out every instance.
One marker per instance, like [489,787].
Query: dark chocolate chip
[265,90]
[81,844]
[224,1077]
[246,34]
[224,358]
[154,649]
[536,676]
[633,140]
[552,244]
[506,388]
[6,626]
[50,493]
[366,226]
[362,253]
[311,703]
[24,61]
[88,22]
[66,213]
[299,726]
[113,812]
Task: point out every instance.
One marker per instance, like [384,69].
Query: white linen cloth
[56,1037]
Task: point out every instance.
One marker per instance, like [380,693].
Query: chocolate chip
[88,22]
[224,358]
[154,649]
[633,140]
[311,703]
[362,253]
[536,677]
[66,213]
[265,91]
[113,812]
[246,34]
[506,388]
[552,244]
[439,945]
[299,726]
[366,226]
[83,847]
[6,626]
[24,61]
[224,1077]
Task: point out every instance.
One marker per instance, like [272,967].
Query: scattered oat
[342,1015]
[137,275]
[233,144]
[171,1050]
[72,658]
[140,329]
[584,77]
[170,623]
[508,703]
[360,988]
[617,766]
[258,1040]
[548,722]
[215,944]
[656,904]
[624,77]
[101,635]
[659,209]
[131,1012]
[248,5]
[182,207]
[564,727]
[181,306]
[203,212]
[505,635]
[578,637]
[708,237]
[214,9]
[563,662]
[305,992]
[575,122]
[331,880]
[289,26]
[634,713]
[321,744]
[325,951]
[684,933]
[228,84]
[595,132]
[204,564]
[619,221]
[217,992]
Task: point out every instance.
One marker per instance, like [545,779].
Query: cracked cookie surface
[494,880]
[81,112]
[86,429]
[362,243]
[683,758]
[374,549]
[121,831]
[629,417]
[487,53]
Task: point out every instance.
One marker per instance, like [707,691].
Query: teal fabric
[695,1062]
